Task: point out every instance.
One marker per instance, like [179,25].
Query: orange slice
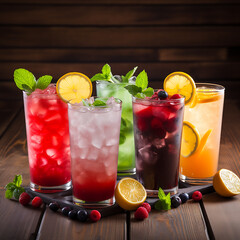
[180,83]
[190,139]
[206,95]
[73,87]
[226,183]
[130,193]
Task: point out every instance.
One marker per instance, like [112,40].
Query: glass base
[154,193]
[124,173]
[94,205]
[53,189]
[195,181]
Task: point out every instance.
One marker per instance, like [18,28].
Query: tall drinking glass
[206,117]
[48,140]
[157,133]
[94,141]
[126,157]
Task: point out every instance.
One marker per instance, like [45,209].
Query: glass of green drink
[126,156]
[109,85]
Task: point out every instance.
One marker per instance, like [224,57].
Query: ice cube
[93,154]
[158,143]
[148,155]
[52,152]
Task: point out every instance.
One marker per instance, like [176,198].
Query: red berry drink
[157,133]
[48,140]
[94,137]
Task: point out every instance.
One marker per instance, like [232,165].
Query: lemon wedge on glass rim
[130,193]
[73,87]
[180,83]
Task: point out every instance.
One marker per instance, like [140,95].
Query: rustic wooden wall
[200,37]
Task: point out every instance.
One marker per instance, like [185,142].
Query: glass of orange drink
[201,127]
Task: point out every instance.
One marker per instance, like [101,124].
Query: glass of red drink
[94,137]
[157,133]
[47,130]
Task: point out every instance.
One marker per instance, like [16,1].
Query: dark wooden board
[165,36]
[97,15]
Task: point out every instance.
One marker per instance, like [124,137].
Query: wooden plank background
[200,37]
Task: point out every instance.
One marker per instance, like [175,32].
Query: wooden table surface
[213,218]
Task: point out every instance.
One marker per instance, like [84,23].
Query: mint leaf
[164,202]
[133,89]
[122,137]
[99,76]
[27,89]
[23,76]
[106,70]
[17,180]
[148,92]
[14,189]
[142,80]
[129,75]
[43,82]
[99,102]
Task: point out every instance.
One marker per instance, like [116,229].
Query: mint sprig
[27,82]
[141,89]
[14,189]
[106,75]
[164,202]
[97,102]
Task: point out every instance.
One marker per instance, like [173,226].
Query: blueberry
[66,210]
[72,214]
[162,95]
[82,215]
[175,202]
[54,206]
[184,197]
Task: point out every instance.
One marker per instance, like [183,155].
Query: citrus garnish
[190,139]
[180,83]
[226,183]
[73,87]
[207,95]
[130,193]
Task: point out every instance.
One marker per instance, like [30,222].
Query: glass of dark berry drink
[157,131]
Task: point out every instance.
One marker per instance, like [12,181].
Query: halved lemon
[180,83]
[190,139]
[73,87]
[130,193]
[226,183]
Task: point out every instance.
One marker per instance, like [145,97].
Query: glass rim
[107,82]
[79,105]
[42,94]
[158,101]
[214,87]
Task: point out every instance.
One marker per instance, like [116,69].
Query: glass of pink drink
[47,129]
[157,133]
[94,139]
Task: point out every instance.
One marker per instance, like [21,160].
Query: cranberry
[141,213]
[95,215]
[176,96]
[197,196]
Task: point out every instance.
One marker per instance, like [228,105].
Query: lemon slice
[130,193]
[73,87]
[190,139]
[180,83]
[226,183]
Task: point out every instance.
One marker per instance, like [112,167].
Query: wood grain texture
[87,15]
[17,222]
[145,37]
[185,222]
[55,226]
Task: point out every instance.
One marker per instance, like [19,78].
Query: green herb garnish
[14,189]
[98,102]
[106,75]
[141,89]
[164,202]
[27,82]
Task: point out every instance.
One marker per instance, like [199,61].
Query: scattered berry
[72,214]
[197,196]
[95,215]
[66,210]
[184,197]
[176,96]
[147,206]
[37,202]
[175,202]
[82,215]
[162,95]
[54,206]
[141,213]
[24,199]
